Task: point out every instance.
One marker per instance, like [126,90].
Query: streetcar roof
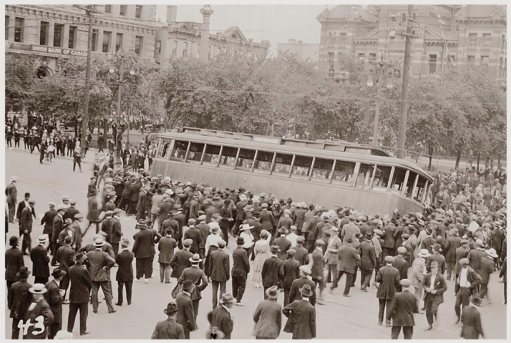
[304,151]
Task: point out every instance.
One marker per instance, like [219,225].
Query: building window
[414,15]
[361,58]
[157,48]
[486,39]
[372,57]
[19,24]
[330,55]
[72,37]
[58,35]
[472,39]
[118,41]
[471,60]
[451,60]
[185,49]
[432,64]
[138,11]
[122,10]
[94,39]
[108,9]
[138,45]
[43,33]
[6,27]
[485,60]
[393,18]
[107,37]
[403,17]
[174,48]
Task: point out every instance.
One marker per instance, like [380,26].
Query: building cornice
[365,41]
[480,21]
[440,42]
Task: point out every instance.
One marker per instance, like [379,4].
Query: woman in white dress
[262,252]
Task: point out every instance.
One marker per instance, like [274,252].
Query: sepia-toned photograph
[255,171]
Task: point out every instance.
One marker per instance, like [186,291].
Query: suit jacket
[402,266]
[99,259]
[503,270]
[125,262]
[21,206]
[334,243]
[221,318]
[168,329]
[40,261]
[402,308]
[272,272]
[301,319]
[81,284]
[54,299]
[65,256]
[299,218]
[219,265]
[67,231]
[12,193]
[388,240]
[486,267]
[179,262]
[451,244]
[20,299]
[164,209]
[196,237]
[317,265]
[240,264]
[367,255]
[268,319]
[437,258]
[70,213]
[349,259]
[13,263]
[291,272]
[166,248]
[144,203]
[475,256]
[25,219]
[472,277]
[460,253]
[440,287]
[58,226]
[41,309]
[284,245]
[388,279]
[197,277]
[302,255]
[471,319]
[115,231]
[294,292]
[143,246]
[47,221]
[185,315]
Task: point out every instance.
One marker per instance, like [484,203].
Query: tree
[19,80]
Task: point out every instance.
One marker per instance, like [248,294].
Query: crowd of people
[298,248]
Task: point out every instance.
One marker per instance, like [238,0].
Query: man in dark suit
[302,255]
[389,244]
[166,248]
[40,261]
[13,263]
[301,316]
[291,273]
[195,235]
[115,232]
[436,257]
[486,268]
[100,264]
[434,288]
[273,270]
[198,279]
[294,292]
[25,225]
[317,267]
[181,259]
[185,313]
[47,221]
[41,309]
[387,280]
[283,243]
[401,264]
[22,205]
[220,317]
[143,203]
[468,281]
[452,243]
[349,259]
[19,300]
[124,276]
[428,241]
[503,275]
[461,252]
[12,197]
[401,311]
[170,328]
[240,270]
[54,296]
[220,271]
[367,254]
[79,292]
[143,250]
[471,320]
[58,226]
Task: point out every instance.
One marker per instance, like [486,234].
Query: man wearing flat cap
[169,329]
[402,265]
[401,311]
[466,282]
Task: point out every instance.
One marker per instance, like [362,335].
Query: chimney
[292,41]
[206,12]
[171,14]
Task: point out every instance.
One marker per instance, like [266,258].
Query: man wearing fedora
[434,287]
[486,268]
[58,226]
[79,293]
[144,251]
[219,271]
[466,284]
[198,279]
[418,272]
[166,247]
[169,329]
[181,259]
[13,263]
[12,197]
[54,296]
[387,280]
[240,270]
[124,276]
[25,226]
[471,320]
[220,317]
[38,316]
[64,257]
[100,264]
[40,261]
[268,316]
[401,310]
[291,273]
[301,316]
[185,311]
[19,300]
[273,270]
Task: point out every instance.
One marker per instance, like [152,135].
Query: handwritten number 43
[39,326]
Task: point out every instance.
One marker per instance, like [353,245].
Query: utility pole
[377,110]
[401,138]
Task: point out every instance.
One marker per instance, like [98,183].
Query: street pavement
[342,318]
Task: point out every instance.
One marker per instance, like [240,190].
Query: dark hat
[437,247]
[221,244]
[275,249]
[306,290]
[68,240]
[476,300]
[13,241]
[23,273]
[240,241]
[171,308]
[227,299]
[79,257]
[57,272]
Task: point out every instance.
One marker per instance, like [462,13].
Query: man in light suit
[330,258]
[100,264]
[434,288]
[12,196]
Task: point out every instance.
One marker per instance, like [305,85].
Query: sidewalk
[89,158]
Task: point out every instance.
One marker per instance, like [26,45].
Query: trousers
[27,242]
[15,331]
[40,279]
[143,267]
[84,312]
[450,268]
[407,331]
[11,212]
[349,281]
[165,270]
[53,329]
[332,275]
[462,298]
[384,303]
[239,284]
[223,289]
[365,277]
[484,291]
[107,291]
[431,310]
[129,289]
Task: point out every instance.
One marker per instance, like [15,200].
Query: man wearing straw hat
[100,264]
[40,261]
[198,278]
[419,271]
[169,329]
[268,316]
[39,315]
[301,316]
[81,285]
[19,300]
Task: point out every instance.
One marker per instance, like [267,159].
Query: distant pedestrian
[434,285]
[291,273]
[294,292]
[12,196]
[77,159]
[401,311]
[387,280]
[273,270]
[40,261]
[169,329]
[317,268]
[268,316]
[467,281]
[13,264]
[100,264]
[198,279]
[181,259]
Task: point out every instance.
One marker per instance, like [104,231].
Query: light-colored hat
[401,250]
[424,253]
[491,252]
[405,283]
[42,238]
[244,227]
[99,242]
[306,270]
[14,178]
[272,292]
[38,288]
[195,258]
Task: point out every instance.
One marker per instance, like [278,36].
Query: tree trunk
[430,157]
[478,159]
[76,127]
[105,130]
[458,158]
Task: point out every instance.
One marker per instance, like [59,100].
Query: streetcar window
[283,163]
[381,179]
[419,190]
[164,144]
[322,169]
[409,184]
[245,159]
[263,161]
[195,152]
[364,175]
[179,150]
[228,156]
[343,172]
[212,154]
[398,179]
[302,167]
